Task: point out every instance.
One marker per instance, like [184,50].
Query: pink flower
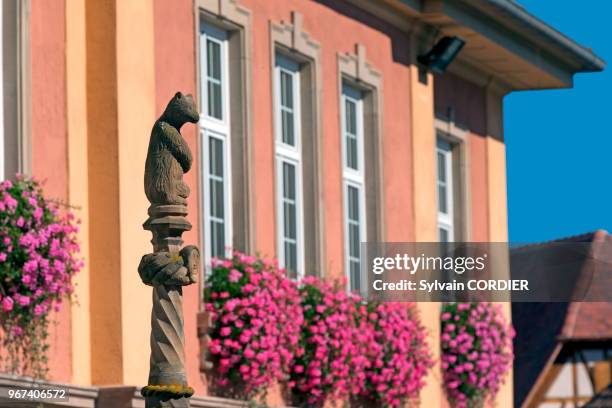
[7,304]
[234,275]
[24,300]
[39,310]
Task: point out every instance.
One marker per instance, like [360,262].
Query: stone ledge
[197,402]
[119,396]
[79,396]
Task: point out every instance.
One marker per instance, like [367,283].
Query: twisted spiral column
[167,385]
[167,349]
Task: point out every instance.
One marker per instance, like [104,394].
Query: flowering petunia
[7,304]
[38,242]
[256,315]
[478,356]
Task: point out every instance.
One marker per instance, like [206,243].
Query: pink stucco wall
[49,142]
[175,44]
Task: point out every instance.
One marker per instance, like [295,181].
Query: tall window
[445,189]
[215,141]
[288,166]
[353,182]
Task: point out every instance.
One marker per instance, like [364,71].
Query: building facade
[318,131]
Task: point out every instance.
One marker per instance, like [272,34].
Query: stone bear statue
[169,157]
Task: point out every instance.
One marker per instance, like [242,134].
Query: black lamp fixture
[442,54]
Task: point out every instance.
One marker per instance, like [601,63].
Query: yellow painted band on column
[136,113]
[78,189]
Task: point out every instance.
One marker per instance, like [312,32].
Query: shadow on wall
[399,39]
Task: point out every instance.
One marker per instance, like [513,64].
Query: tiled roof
[541,327]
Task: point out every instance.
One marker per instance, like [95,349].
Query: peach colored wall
[467,101]
[78,190]
[135,118]
[175,69]
[49,141]
[104,257]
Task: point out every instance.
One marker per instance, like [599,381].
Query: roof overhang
[503,40]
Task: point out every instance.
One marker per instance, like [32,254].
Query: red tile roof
[542,327]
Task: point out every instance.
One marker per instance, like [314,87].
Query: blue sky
[559,142]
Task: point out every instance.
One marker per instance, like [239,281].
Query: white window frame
[351,177]
[445,220]
[219,129]
[288,154]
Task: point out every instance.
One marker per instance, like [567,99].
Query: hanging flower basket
[399,353]
[476,352]
[38,258]
[332,359]
[321,344]
[255,319]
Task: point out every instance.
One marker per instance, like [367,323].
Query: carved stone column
[169,267]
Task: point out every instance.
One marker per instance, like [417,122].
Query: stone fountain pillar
[169,267]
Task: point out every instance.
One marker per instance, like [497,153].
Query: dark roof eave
[589,62]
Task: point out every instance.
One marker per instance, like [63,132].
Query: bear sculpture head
[180,110]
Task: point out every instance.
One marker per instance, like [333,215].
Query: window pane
[215,147]
[443,235]
[288,181]
[217,239]
[355,276]
[286,85]
[351,153]
[219,210]
[216,199]
[354,240]
[291,259]
[214,100]
[351,117]
[442,199]
[214,97]
[290,221]
[213,59]
[217,196]
[353,204]
[441,167]
[287,127]
[289,214]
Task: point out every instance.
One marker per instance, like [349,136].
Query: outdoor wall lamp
[441,54]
